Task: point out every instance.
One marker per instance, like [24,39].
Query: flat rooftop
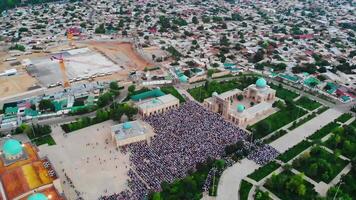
[136,128]
[156,102]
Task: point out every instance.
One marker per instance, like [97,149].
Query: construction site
[68,63]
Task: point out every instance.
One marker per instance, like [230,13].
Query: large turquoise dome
[261,83]
[37,196]
[240,108]
[127,125]
[12,147]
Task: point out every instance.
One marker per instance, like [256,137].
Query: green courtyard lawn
[283,93]
[171,90]
[299,122]
[264,171]
[245,188]
[325,130]
[294,151]
[289,186]
[47,139]
[276,121]
[344,117]
[319,164]
[203,92]
[343,140]
[307,103]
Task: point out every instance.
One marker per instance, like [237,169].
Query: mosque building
[257,101]
[26,176]
[131,132]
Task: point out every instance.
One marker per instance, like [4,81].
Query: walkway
[229,183]
[230,180]
[300,133]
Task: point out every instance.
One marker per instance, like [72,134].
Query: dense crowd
[184,137]
[263,154]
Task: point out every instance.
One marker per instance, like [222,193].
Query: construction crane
[62,67]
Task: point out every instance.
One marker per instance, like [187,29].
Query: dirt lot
[121,53]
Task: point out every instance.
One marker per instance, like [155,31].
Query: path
[230,180]
[300,133]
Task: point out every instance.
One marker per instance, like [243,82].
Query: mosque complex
[26,176]
[242,107]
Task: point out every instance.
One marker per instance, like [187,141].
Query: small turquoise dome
[215,94]
[155,101]
[240,108]
[261,83]
[37,196]
[127,125]
[183,78]
[12,147]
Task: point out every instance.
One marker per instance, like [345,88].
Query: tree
[263,127]
[114,88]
[46,105]
[240,97]
[195,20]
[131,88]
[258,56]
[100,29]
[224,41]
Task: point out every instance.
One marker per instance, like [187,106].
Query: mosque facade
[259,97]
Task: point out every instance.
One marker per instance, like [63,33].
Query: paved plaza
[91,161]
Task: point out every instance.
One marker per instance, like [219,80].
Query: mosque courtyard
[91,161]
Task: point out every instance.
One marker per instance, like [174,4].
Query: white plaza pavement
[231,178]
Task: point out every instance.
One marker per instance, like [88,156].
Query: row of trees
[115,112]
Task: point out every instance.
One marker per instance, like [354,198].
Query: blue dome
[127,125]
[12,147]
[37,196]
[183,78]
[261,83]
[240,108]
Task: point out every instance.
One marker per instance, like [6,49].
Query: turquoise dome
[127,125]
[240,108]
[215,94]
[37,196]
[183,78]
[12,147]
[261,83]
[155,100]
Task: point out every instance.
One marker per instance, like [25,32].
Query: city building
[131,132]
[241,107]
[26,176]
[156,105]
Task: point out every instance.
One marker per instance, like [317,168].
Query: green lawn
[284,93]
[294,151]
[285,186]
[307,103]
[47,139]
[319,134]
[278,120]
[344,117]
[203,92]
[319,164]
[264,171]
[245,188]
[171,90]
[299,122]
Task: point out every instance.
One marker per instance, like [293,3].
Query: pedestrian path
[230,180]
